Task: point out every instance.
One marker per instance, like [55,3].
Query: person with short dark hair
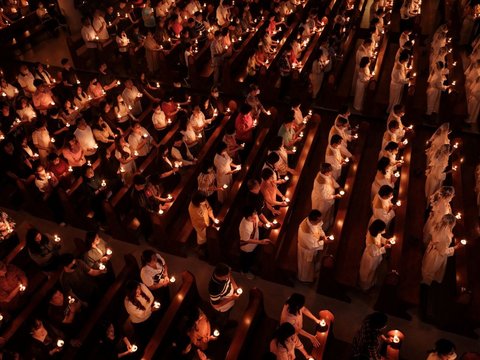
[366,342]
[249,240]
[363,78]
[43,248]
[324,194]
[201,216]
[224,167]
[382,205]
[154,274]
[310,242]
[244,124]
[223,294]
[384,176]
[333,156]
[444,350]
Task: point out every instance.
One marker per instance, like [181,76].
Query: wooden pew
[198,62]
[382,48]
[185,297]
[218,249]
[388,300]
[327,284]
[247,325]
[323,334]
[129,271]
[269,253]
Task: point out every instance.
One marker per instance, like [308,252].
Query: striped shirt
[218,291]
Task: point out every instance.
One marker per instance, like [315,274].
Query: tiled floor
[419,336]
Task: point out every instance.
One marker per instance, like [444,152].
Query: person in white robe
[439,206]
[434,261]
[384,176]
[363,78]
[436,171]
[393,134]
[435,88]
[437,140]
[224,168]
[382,206]
[397,114]
[320,66]
[365,50]
[324,194]
[473,102]
[341,127]
[398,81]
[310,242]
[334,157]
[375,246]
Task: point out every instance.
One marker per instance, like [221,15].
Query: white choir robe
[473,102]
[435,176]
[389,136]
[439,209]
[323,197]
[346,138]
[309,243]
[371,259]
[435,258]
[436,141]
[382,210]
[380,180]
[434,91]
[222,166]
[401,128]
[363,78]
[362,51]
[334,158]
[399,80]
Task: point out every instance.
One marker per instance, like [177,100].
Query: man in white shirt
[132,96]
[100,26]
[364,50]
[223,14]
[26,79]
[311,240]
[140,140]
[91,39]
[217,52]
[85,137]
[249,240]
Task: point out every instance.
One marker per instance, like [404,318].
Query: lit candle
[156,305]
[160,212]
[67,125]
[392,240]
[287,200]
[225,186]
[341,192]
[101,266]
[169,121]
[60,343]
[455,145]
[274,222]
[347,160]
[355,136]
[459,215]
[396,339]
[169,197]
[95,146]
[454,167]
[134,348]
[239,167]
[268,226]
[172,279]
[301,134]
[21,287]
[399,203]
[71,299]
[397,174]
[56,238]
[286,178]
[294,150]
[52,139]
[89,163]
[269,112]
[135,153]
[322,323]
[463,242]
[216,221]
[216,333]
[109,252]
[70,169]
[410,127]
[331,238]
[122,169]
[239,291]
[199,136]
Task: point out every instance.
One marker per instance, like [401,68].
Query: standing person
[285,67]
[293,311]
[148,15]
[151,52]
[367,340]
[382,206]
[320,66]
[323,194]
[223,293]
[224,168]
[334,157]
[310,242]
[363,78]
[383,176]
[376,246]
[284,343]
[154,274]
[399,80]
[434,261]
[435,172]
[201,215]
[249,240]
[435,87]
[365,50]
[444,350]
[439,206]
[217,52]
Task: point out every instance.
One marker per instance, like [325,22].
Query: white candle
[60,343]
[294,150]
[52,139]
[135,153]
[287,200]
[134,348]
[355,136]
[89,163]
[101,266]
[341,192]
[172,279]
[322,323]
[301,134]
[56,238]
[463,242]
[216,333]
[22,287]
[268,226]
[216,221]
[225,186]
[169,197]
[71,299]
[286,178]
[331,238]
[156,305]
[405,142]
[269,112]
[458,215]
[397,174]
[398,203]
[274,222]
[239,291]
[347,160]
[104,183]
[70,169]
[109,252]
[396,339]
[160,212]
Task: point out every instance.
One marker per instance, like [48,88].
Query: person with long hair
[293,311]
[42,248]
[444,350]
[285,342]
[436,170]
[434,261]
[324,194]
[439,206]
[366,342]
[73,152]
[154,274]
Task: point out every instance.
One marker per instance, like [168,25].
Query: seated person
[167,169]
[43,342]
[57,165]
[154,275]
[63,312]
[112,344]
[43,248]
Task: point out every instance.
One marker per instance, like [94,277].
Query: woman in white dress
[224,168]
[363,79]
[435,88]
[440,206]
[439,138]
[323,194]
[398,81]
[376,246]
[438,251]
[384,176]
[382,206]
[333,155]
[436,170]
